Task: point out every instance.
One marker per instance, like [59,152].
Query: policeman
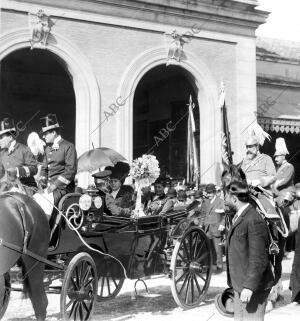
[258,167]
[60,162]
[16,159]
[285,173]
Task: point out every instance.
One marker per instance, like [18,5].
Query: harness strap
[29,253]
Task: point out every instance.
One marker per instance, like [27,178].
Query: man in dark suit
[249,270]
[60,162]
[16,159]
[214,223]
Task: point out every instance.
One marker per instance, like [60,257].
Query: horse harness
[24,248]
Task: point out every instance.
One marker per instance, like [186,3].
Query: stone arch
[207,88]
[84,81]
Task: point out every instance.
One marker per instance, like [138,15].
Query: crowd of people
[53,167]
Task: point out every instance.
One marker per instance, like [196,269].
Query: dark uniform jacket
[248,264]
[121,205]
[21,158]
[214,215]
[60,167]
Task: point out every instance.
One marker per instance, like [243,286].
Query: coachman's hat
[7,126]
[102,174]
[49,122]
[224,303]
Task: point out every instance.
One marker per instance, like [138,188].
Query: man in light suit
[214,224]
[249,270]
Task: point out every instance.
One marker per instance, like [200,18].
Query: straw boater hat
[7,126]
[49,122]
[280,147]
[256,135]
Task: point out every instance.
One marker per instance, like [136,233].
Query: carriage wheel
[79,289]
[4,293]
[191,267]
[109,287]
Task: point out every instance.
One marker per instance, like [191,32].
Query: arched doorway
[160,103]
[34,83]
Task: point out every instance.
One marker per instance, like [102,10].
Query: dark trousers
[254,310]
[217,250]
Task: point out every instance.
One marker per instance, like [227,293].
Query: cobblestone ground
[159,304]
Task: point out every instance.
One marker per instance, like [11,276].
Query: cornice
[277,81]
[232,14]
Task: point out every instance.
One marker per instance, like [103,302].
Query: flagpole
[226,150]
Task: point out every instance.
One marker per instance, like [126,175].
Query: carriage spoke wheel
[4,293]
[79,289]
[109,287]
[191,267]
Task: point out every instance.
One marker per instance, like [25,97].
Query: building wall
[116,45]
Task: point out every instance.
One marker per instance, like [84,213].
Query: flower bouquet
[144,170]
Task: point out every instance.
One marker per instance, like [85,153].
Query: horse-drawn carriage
[93,253]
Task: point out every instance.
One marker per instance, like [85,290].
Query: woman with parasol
[119,201]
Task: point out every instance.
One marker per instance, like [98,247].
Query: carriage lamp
[98,202]
[85,202]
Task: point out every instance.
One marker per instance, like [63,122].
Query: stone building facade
[86,61]
[278,93]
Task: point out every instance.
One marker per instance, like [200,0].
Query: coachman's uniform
[20,157]
[60,167]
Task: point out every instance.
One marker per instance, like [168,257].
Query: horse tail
[26,285]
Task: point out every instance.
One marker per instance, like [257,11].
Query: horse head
[232,173]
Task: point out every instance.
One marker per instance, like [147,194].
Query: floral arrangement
[145,170]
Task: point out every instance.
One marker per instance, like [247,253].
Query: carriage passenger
[170,202]
[17,162]
[158,200]
[119,201]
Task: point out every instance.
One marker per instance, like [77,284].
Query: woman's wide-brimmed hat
[7,125]
[120,171]
[49,122]
[224,303]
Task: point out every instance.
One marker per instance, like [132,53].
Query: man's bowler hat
[7,126]
[49,122]
[224,303]
[210,188]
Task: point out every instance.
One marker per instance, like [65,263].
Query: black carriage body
[138,244]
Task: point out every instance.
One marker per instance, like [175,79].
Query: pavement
[158,305]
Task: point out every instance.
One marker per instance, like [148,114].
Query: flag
[192,156]
[225,135]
